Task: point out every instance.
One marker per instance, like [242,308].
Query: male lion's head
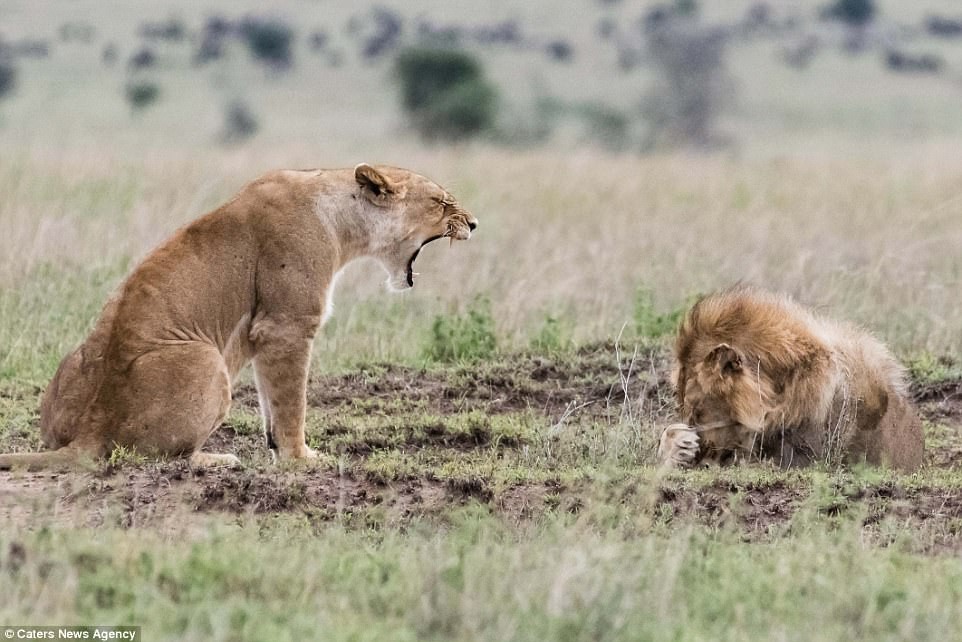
[413,212]
[725,399]
[746,364]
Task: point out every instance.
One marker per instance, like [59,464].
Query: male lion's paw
[678,446]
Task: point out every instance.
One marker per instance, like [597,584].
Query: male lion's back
[902,437]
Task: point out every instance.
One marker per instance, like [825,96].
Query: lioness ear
[377,187]
[725,358]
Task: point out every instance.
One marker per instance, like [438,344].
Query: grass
[613,577]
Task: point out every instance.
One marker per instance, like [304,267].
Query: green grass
[475,577]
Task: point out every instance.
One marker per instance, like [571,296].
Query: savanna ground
[488,438]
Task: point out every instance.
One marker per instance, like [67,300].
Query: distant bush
[109,54]
[605,125]
[77,32]
[943,27]
[318,40]
[143,59]
[8,76]
[465,337]
[172,29]
[901,61]
[651,323]
[141,93]
[239,122]
[606,28]
[554,336]
[269,40]
[506,32]
[852,12]
[801,53]
[212,38]
[386,34]
[560,50]
[445,93]
[30,48]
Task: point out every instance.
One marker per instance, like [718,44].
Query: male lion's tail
[65,457]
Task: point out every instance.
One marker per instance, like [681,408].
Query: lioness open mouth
[410,273]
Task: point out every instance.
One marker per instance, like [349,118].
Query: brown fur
[757,375]
[249,282]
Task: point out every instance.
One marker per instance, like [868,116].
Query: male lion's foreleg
[679,446]
[281,360]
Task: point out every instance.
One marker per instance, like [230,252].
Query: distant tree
[901,61]
[852,12]
[269,40]
[109,54]
[143,59]
[172,29]
[215,32]
[8,76]
[692,85]
[445,93]
[386,34]
[560,50]
[239,122]
[141,94]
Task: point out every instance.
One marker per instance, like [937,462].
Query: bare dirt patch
[595,378]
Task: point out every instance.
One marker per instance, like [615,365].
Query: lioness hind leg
[177,396]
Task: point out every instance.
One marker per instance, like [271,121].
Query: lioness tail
[65,457]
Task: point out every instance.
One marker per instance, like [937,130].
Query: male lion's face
[416,212]
[725,401]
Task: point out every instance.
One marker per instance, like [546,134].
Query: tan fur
[248,282]
[758,375]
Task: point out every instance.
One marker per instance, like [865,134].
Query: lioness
[757,375]
[250,281]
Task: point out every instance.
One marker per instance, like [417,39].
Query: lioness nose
[472,225]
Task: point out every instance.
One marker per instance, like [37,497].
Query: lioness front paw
[678,446]
[304,452]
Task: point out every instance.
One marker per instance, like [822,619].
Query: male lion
[250,281]
[757,375]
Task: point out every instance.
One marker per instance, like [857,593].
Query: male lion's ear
[725,358]
[873,403]
[377,187]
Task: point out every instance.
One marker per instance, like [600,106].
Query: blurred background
[621,156]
